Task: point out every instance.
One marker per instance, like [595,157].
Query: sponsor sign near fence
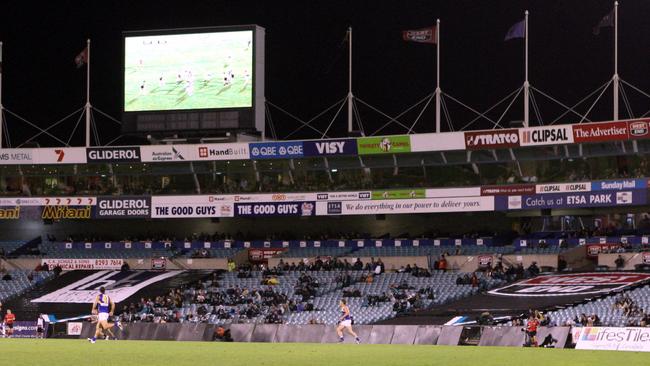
[71,264]
[614,339]
[74,328]
[27,329]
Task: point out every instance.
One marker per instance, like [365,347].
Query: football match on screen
[324,183]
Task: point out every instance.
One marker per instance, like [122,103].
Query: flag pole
[1,106]
[350,80]
[87,107]
[615,78]
[526,83]
[437,75]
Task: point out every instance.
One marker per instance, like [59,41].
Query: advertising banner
[507,189]
[384,145]
[123,207]
[276,150]
[491,139]
[158,263]
[126,154]
[22,201]
[639,129]
[167,153]
[485,261]
[563,187]
[330,147]
[594,249]
[71,264]
[452,192]
[231,151]
[574,200]
[60,155]
[571,284]
[614,339]
[74,328]
[10,213]
[445,141]
[275,209]
[343,196]
[17,156]
[264,253]
[190,206]
[27,329]
[119,284]
[422,205]
[399,194]
[67,213]
[547,135]
[600,132]
[618,184]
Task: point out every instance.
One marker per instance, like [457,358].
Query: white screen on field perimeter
[188,71]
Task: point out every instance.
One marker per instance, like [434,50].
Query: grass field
[54,352]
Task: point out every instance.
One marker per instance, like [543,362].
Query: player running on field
[345,322]
[104,307]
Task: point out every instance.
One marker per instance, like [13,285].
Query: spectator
[57,270]
[358,265]
[442,263]
[620,262]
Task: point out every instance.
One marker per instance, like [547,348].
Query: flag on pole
[518,30]
[422,35]
[82,58]
[607,21]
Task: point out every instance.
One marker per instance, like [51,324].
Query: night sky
[307,62]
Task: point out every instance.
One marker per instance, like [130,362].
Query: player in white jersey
[104,307]
[40,326]
[345,322]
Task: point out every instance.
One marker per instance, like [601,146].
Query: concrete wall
[542,260]
[369,334]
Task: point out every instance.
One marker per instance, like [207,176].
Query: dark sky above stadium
[307,62]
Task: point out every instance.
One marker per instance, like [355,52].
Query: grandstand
[208,229]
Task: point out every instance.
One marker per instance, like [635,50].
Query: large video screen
[188,71]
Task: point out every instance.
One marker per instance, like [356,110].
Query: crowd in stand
[224,304]
[632,310]
[246,179]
